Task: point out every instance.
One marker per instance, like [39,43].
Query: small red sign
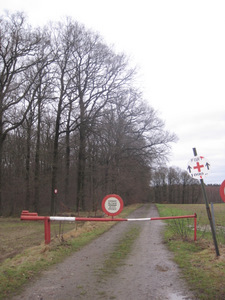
[112,205]
[222,191]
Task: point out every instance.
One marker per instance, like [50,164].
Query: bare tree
[124,153]
[96,73]
[42,97]
[28,125]
[18,44]
[173,184]
[64,42]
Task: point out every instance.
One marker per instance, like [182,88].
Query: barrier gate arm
[27,216]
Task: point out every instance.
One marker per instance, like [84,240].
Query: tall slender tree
[18,44]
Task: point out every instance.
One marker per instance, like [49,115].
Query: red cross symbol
[199,167]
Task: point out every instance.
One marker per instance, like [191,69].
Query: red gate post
[47,230]
[27,216]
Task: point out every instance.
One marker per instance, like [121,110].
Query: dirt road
[147,273]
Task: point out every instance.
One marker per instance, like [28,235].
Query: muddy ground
[147,273]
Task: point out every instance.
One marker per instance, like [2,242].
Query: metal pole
[213,215]
[195,228]
[208,211]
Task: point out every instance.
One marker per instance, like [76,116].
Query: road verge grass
[18,270]
[121,250]
[202,269]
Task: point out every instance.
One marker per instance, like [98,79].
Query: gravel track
[148,272]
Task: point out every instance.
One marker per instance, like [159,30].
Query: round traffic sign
[198,167]
[222,191]
[112,205]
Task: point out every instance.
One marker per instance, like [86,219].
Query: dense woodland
[173,185]
[74,127]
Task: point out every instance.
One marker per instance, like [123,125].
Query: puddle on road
[173,296]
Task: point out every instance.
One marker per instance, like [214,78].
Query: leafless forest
[74,126]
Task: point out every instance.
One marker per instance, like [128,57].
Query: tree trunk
[81,157]
[54,171]
[67,158]
[67,165]
[1,144]
[27,177]
[37,164]
[56,149]
[81,171]
[2,138]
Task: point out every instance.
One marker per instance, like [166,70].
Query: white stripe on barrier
[140,219]
[72,219]
[69,219]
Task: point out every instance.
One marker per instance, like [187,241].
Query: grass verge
[18,270]
[201,268]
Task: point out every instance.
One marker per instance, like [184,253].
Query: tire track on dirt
[147,273]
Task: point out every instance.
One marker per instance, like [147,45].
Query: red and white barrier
[27,216]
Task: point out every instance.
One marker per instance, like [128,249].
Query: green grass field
[16,235]
[201,267]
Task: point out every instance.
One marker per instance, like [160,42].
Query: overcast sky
[179,49]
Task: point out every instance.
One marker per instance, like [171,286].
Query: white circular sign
[112,205]
[198,167]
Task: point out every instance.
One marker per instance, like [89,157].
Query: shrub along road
[130,261]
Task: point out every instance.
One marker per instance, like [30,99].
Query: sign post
[199,169]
